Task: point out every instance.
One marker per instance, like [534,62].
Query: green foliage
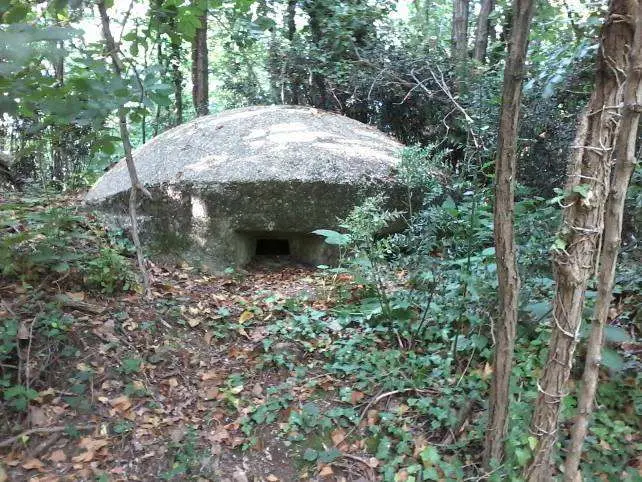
[439,329]
[58,241]
[415,317]
[18,397]
[110,272]
[129,366]
[363,250]
[185,456]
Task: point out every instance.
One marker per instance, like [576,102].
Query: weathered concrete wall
[262,170]
[218,225]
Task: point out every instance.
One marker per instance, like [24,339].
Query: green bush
[110,272]
[60,242]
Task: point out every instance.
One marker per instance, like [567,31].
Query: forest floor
[163,389]
[278,372]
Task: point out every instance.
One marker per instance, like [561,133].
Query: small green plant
[110,272]
[364,251]
[19,396]
[422,171]
[186,456]
[123,427]
[129,366]
[135,389]
[8,332]
[64,243]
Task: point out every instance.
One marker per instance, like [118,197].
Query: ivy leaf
[61,267]
[329,455]
[310,455]
[522,456]
[583,190]
[616,334]
[539,310]
[383,450]
[612,360]
[558,245]
[16,14]
[429,456]
[333,237]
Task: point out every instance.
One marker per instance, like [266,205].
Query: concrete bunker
[252,182]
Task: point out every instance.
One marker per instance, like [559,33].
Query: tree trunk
[290,19]
[507,274]
[459,38]
[177,75]
[624,166]
[6,173]
[576,246]
[481,33]
[127,146]
[200,89]
[159,54]
[58,132]
[317,13]
[291,71]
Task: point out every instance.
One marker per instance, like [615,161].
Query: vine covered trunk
[625,162]
[578,240]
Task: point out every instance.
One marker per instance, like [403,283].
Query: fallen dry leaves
[57,456]
[91,447]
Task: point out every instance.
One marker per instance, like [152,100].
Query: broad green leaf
[539,310]
[429,456]
[583,190]
[16,14]
[310,455]
[612,359]
[333,237]
[616,334]
[328,456]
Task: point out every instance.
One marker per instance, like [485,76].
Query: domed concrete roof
[253,144]
[225,185]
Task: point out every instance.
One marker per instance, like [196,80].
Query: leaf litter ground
[165,389]
[276,373]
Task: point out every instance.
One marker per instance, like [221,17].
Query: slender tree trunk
[576,246]
[459,37]
[291,69]
[318,14]
[177,78]
[177,75]
[507,274]
[200,87]
[159,47]
[481,33]
[58,132]
[290,19]
[127,146]
[624,166]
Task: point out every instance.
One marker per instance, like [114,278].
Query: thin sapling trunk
[112,50]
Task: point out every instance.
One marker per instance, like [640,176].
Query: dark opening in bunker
[285,246]
[272,247]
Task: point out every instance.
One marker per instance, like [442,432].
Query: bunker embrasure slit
[272,247]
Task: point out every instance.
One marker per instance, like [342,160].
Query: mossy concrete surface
[221,182]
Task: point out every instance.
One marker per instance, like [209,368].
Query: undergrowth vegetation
[56,246]
[413,323]
[60,243]
[390,358]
